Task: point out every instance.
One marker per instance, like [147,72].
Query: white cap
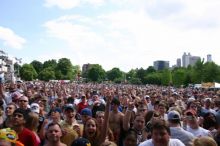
[35,108]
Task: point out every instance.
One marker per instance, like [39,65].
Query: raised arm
[104,130]
[127,116]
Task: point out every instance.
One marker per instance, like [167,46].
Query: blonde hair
[32,121]
[204,141]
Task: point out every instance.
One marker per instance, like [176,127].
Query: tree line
[64,70]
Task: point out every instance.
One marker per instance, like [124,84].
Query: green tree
[65,69]
[198,71]
[141,73]
[47,74]
[211,72]
[27,72]
[178,76]
[166,77]
[150,69]
[114,73]
[153,78]
[50,63]
[96,73]
[38,66]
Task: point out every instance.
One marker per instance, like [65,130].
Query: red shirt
[27,138]
[81,106]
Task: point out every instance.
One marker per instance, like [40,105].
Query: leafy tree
[28,73]
[166,77]
[198,70]
[17,68]
[153,78]
[178,77]
[38,66]
[131,75]
[211,72]
[50,63]
[65,69]
[96,73]
[47,74]
[114,73]
[141,74]
[135,81]
[150,69]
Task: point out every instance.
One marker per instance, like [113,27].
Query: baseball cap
[35,108]
[69,106]
[81,142]
[86,111]
[16,95]
[56,110]
[173,115]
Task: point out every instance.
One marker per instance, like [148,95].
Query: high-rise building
[160,64]
[178,62]
[193,60]
[209,58]
[188,59]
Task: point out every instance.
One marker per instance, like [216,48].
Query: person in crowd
[53,135]
[193,125]
[81,142]
[100,120]
[25,136]
[130,138]
[91,128]
[162,109]
[161,136]
[176,131]
[116,120]
[85,114]
[210,123]
[8,122]
[204,141]
[83,104]
[32,124]
[24,103]
[70,125]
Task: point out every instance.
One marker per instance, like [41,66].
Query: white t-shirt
[198,132]
[172,142]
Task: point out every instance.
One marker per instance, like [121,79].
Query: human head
[23,102]
[115,104]
[85,114]
[130,138]
[191,118]
[160,133]
[53,133]
[11,107]
[32,121]
[91,129]
[35,108]
[69,111]
[19,117]
[139,122]
[204,141]
[100,117]
[81,142]
[174,117]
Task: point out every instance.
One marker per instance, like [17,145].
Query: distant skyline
[126,34]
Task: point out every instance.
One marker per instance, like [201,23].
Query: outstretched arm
[104,130]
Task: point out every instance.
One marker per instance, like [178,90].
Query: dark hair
[23,112]
[160,125]
[131,132]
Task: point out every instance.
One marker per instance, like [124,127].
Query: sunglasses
[18,115]
[23,101]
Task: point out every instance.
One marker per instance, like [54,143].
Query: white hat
[35,108]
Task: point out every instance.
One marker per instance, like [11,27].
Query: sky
[127,34]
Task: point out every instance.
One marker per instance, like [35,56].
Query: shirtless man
[115,120]
[53,135]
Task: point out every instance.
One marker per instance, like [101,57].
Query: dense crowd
[72,114]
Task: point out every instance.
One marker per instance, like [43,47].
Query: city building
[188,59]
[209,58]
[7,66]
[160,65]
[178,62]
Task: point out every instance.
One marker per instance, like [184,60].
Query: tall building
[188,59]
[209,58]
[160,64]
[193,60]
[178,62]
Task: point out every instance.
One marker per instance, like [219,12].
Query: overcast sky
[113,33]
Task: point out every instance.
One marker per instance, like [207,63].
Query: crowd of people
[87,114]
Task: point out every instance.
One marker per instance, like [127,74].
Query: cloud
[69,4]
[131,38]
[11,39]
